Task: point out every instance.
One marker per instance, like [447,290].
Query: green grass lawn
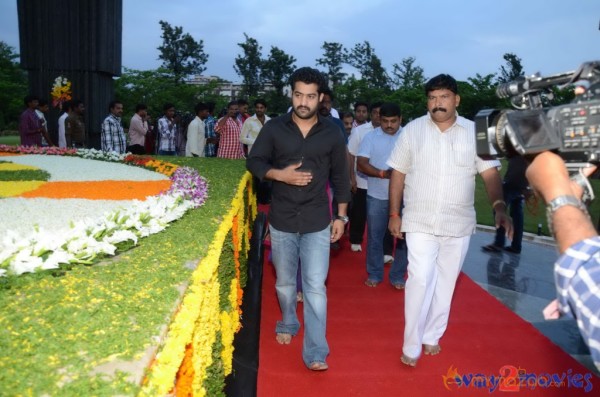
[535,210]
[10,140]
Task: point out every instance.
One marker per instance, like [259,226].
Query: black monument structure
[76,39]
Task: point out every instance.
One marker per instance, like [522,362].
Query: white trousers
[434,264]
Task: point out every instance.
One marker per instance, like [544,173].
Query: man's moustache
[439,110]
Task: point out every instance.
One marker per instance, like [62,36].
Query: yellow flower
[16,188]
[199,319]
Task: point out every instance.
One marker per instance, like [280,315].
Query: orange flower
[185,375]
[100,190]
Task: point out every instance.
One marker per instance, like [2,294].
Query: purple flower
[188,183]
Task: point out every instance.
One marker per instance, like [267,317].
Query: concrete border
[530,237]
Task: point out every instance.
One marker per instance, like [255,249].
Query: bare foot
[371,283]
[318,366]
[411,362]
[432,349]
[284,339]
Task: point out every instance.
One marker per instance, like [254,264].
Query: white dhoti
[434,263]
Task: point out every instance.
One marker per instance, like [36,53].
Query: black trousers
[358,216]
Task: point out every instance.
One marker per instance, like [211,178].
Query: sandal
[491,248]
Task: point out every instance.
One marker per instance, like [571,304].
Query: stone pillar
[79,40]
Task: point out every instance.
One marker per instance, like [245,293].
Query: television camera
[572,130]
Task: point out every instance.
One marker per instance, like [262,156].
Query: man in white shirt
[252,126]
[434,165]
[138,128]
[196,138]
[41,111]
[62,140]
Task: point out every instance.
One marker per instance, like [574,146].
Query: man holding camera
[434,164]
[577,271]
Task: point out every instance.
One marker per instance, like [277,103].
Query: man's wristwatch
[342,218]
[561,201]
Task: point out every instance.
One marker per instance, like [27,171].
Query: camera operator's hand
[549,178]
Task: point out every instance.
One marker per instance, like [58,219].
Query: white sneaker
[388,259]
[356,247]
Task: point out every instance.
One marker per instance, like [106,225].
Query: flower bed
[129,325]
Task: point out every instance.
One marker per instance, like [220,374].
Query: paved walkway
[525,283]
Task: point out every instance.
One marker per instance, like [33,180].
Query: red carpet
[365,332]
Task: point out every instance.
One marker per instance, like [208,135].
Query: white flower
[24,262]
[120,236]
[56,258]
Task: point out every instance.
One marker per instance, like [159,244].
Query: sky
[462,38]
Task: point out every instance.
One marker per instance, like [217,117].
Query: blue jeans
[377,225]
[514,200]
[313,251]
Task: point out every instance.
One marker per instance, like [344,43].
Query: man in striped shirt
[577,271]
[434,165]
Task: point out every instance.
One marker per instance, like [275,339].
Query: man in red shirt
[229,129]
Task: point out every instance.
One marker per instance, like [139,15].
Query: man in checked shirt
[229,128]
[577,270]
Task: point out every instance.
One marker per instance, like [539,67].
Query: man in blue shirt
[372,156]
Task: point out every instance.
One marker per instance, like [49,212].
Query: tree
[352,89]
[407,75]
[363,58]
[276,70]
[334,57]
[182,56]
[512,70]
[155,87]
[13,87]
[248,66]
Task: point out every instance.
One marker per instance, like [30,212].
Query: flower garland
[198,321]
[61,91]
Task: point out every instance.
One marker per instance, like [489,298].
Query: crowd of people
[419,214]
[174,133]
[412,189]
